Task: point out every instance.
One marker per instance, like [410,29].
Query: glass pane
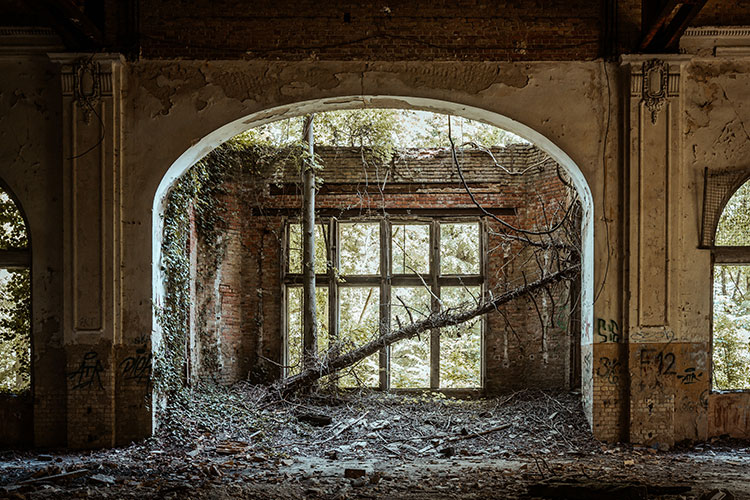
[459,248]
[410,359]
[15,330]
[461,345]
[294,326]
[358,324]
[410,245]
[359,244]
[295,248]
[734,224]
[731,339]
[12,227]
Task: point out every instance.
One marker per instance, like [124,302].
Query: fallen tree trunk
[435,320]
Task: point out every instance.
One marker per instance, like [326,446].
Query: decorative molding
[718,41]
[654,86]
[732,51]
[16,41]
[86,78]
[91,86]
[718,32]
[87,88]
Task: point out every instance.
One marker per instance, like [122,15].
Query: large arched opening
[213,140]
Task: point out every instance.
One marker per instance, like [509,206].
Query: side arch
[16,351]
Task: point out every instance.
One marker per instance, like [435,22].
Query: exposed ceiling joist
[665,22]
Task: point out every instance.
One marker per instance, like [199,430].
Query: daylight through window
[377,274]
[15,299]
[731,295]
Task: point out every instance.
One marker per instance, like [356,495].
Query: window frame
[723,256]
[386,280]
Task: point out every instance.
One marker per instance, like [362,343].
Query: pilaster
[91,134]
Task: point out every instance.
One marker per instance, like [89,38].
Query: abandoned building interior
[399,250]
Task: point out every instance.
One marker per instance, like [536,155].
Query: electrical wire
[604,182]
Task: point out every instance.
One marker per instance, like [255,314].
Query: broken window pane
[359,322]
[731,328]
[295,326]
[410,244]
[359,244]
[461,345]
[410,359]
[295,248]
[459,248]
[15,330]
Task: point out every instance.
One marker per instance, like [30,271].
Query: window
[376,274]
[15,299]
[731,295]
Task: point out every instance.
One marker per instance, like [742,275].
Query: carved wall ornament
[86,86]
[655,83]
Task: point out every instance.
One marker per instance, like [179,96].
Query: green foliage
[359,244]
[295,326]
[15,304]
[410,359]
[382,131]
[13,233]
[459,248]
[197,190]
[295,248]
[15,330]
[461,345]
[359,323]
[734,224]
[731,333]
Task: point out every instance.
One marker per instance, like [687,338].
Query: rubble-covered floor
[244,443]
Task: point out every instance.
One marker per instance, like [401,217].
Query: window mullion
[435,304]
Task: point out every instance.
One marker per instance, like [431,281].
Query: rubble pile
[246,441]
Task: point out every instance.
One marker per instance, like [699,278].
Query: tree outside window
[382,274]
[15,299]
[731,295]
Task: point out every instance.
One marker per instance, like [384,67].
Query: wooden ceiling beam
[664,24]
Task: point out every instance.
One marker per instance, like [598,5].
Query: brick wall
[476,30]
[242,299]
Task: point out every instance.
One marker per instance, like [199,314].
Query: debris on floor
[246,442]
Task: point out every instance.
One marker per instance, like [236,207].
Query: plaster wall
[30,167]
[162,115]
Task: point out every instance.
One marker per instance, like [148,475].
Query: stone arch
[209,142]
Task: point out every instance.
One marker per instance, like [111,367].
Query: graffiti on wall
[609,369]
[690,376]
[660,335]
[137,368]
[88,373]
[608,331]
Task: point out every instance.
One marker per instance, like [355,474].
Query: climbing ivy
[200,192]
